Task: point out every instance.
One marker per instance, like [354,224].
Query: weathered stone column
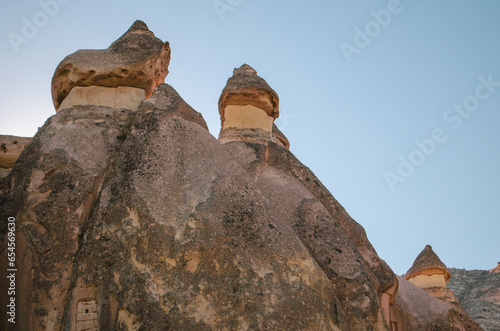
[248,107]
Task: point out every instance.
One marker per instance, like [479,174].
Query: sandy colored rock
[10,149]
[248,107]
[415,309]
[244,88]
[114,97]
[496,269]
[428,263]
[137,59]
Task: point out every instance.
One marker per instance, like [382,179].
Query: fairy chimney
[120,76]
[431,274]
[248,107]
[428,270]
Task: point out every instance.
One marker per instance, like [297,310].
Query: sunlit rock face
[136,60]
[431,274]
[114,97]
[428,270]
[10,149]
[248,107]
[139,219]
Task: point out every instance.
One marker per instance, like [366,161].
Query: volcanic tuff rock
[428,263]
[136,60]
[479,293]
[245,87]
[141,219]
[430,274]
[248,107]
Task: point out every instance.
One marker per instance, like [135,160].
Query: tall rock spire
[428,263]
[431,274]
[248,107]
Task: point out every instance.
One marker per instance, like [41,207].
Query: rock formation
[118,77]
[248,107]
[140,219]
[416,309]
[431,274]
[478,291]
[10,149]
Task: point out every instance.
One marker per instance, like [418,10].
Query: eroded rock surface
[10,149]
[415,309]
[248,107]
[137,59]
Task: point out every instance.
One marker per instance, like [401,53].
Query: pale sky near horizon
[394,105]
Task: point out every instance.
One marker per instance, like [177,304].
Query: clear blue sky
[353,103]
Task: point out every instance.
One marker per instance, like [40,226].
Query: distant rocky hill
[479,293]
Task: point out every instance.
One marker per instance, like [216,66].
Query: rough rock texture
[136,59]
[245,87]
[415,309]
[427,262]
[253,95]
[155,223]
[10,149]
[166,98]
[51,191]
[479,293]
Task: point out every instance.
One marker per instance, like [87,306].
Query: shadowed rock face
[143,220]
[415,309]
[137,59]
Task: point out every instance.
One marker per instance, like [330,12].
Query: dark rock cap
[136,59]
[426,260]
[245,87]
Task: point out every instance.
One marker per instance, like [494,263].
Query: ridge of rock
[478,291]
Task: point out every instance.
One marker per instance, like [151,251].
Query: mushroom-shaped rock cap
[137,59]
[427,262]
[245,87]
